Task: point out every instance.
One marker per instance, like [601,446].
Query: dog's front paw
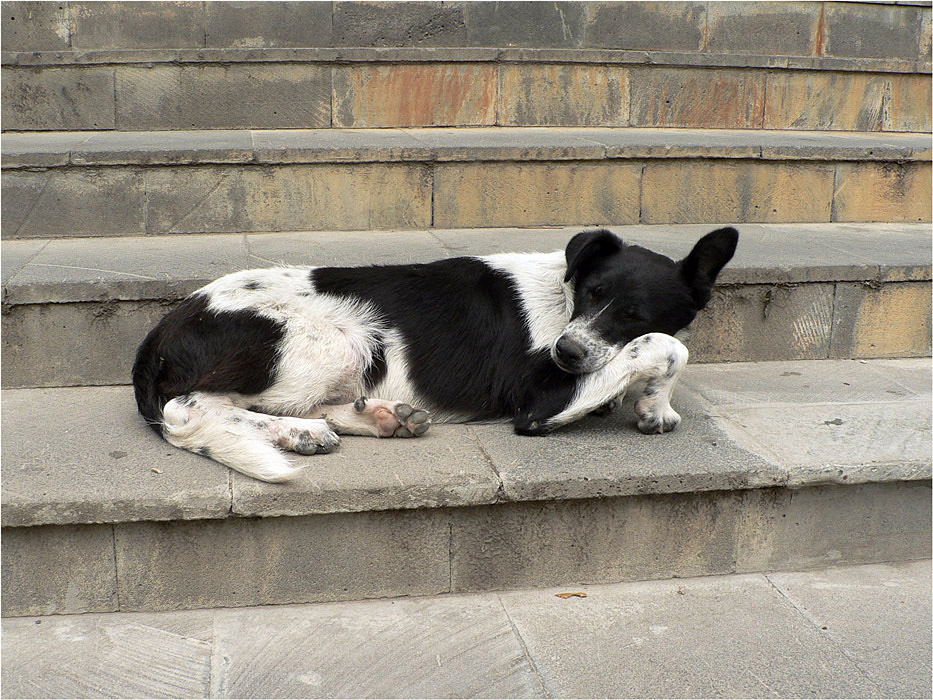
[525,424]
[657,422]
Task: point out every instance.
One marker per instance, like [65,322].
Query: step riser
[241,562]
[232,198]
[321,95]
[95,343]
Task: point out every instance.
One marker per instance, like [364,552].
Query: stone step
[793,291]
[777,465]
[841,66]
[112,183]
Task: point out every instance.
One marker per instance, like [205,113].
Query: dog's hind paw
[413,422]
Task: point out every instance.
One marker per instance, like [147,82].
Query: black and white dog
[262,361]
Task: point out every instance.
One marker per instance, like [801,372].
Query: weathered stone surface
[102,473]
[812,527]
[399,24]
[263,561]
[429,647]
[697,97]
[668,26]
[268,24]
[292,198]
[853,604]
[764,322]
[563,95]
[515,194]
[596,540]
[695,191]
[104,656]
[236,96]
[58,98]
[883,192]
[35,26]
[890,321]
[787,29]
[415,95]
[137,25]
[344,248]
[502,24]
[87,202]
[872,30]
[58,570]
[819,100]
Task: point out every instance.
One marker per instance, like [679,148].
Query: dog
[264,361]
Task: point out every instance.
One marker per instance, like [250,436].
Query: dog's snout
[569,351]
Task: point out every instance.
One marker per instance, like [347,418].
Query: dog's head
[623,291]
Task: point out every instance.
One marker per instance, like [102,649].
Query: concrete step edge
[168,267]
[26,150]
[101,464]
[341,55]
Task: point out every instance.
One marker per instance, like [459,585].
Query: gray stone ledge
[456,55]
[168,267]
[103,465]
[24,150]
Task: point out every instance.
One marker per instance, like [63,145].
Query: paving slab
[859,631]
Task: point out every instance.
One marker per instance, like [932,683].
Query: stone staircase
[150,147]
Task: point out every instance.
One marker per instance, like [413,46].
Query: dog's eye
[595,292]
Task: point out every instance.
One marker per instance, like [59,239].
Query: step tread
[746,425]
[171,266]
[283,146]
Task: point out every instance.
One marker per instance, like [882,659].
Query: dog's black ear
[706,260]
[588,245]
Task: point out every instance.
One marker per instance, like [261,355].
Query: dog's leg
[656,358]
[375,417]
[213,426]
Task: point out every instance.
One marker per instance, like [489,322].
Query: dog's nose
[569,351]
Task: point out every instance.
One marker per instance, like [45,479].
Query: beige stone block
[889,321]
[415,95]
[820,100]
[882,192]
[697,98]
[563,95]
[696,191]
[526,194]
[908,107]
[290,198]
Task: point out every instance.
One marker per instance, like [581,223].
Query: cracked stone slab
[83,455]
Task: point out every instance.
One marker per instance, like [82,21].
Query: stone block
[95,343]
[882,192]
[697,98]
[231,96]
[58,570]
[563,95]
[826,526]
[532,24]
[291,198]
[546,543]
[694,191]
[65,99]
[926,34]
[892,320]
[264,561]
[764,322]
[872,30]
[763,29]
[35,26]
[528,194]
[908,107]
[252,25]
[399,24]
[415,95]
[816,100]
[85,202]
[648,26]
[137,25]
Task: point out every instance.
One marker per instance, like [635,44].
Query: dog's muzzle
[580,354]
